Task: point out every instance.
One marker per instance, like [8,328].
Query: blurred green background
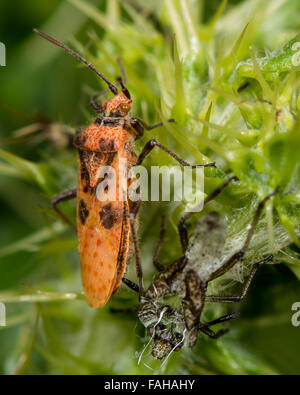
[41,84]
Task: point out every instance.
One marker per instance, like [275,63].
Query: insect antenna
[124,89]
[52,40]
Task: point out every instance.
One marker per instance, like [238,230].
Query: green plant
[234,103]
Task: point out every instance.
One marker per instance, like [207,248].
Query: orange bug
[105,228]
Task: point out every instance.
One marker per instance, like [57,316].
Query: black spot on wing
[106,145]
[83,211]
[90,157]
[109,216]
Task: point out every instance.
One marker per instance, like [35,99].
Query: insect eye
[124,107]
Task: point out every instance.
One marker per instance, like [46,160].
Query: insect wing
[103,231]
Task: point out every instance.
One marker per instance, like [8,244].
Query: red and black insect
[105,229]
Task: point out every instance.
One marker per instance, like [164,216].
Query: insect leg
[205,327]
[212,334]
[62,197]
[122,311]
[182,230]
[139,125]
[162,234]
[154,143]
[219,320]
[193,304]
[93,102]
[239,298]
[131,284]
[239,254]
